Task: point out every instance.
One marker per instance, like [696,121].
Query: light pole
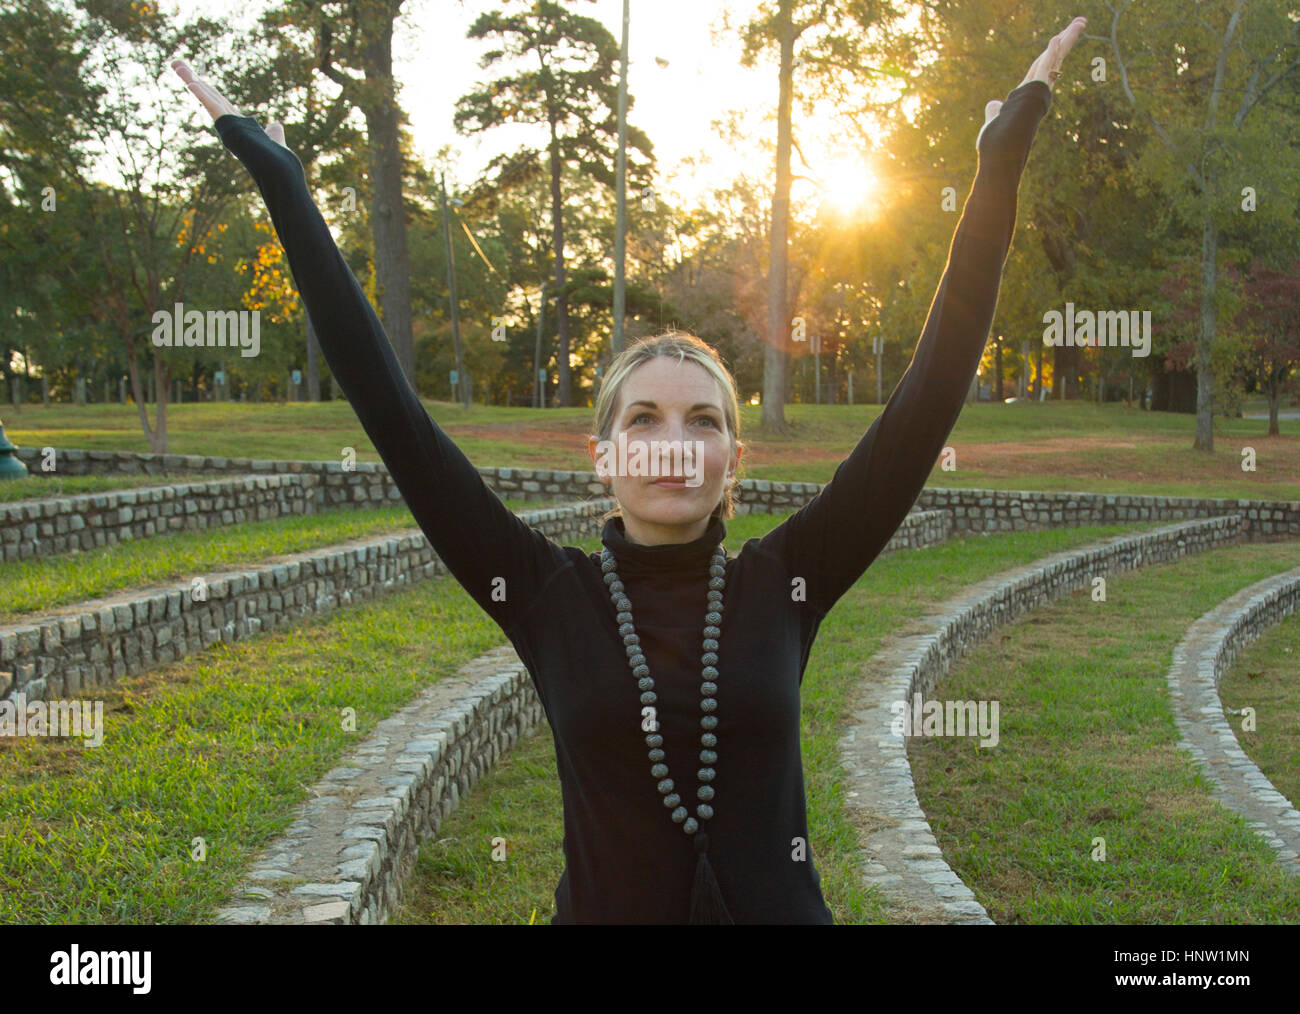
[620,228]
[537,350]
[451,290]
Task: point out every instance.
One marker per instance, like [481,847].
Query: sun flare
[848,187]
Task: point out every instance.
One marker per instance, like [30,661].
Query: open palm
[1046,67]
[216,103]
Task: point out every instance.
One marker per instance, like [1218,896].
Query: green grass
[46,582]
[1111,448]
[1263,677]
[222,746]
[1088,749]
[456,882]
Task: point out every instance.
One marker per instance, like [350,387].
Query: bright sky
[676,105]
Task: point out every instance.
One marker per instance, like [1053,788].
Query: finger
[275,131]
[213,101]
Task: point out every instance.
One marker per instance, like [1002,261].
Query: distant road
[1264,415]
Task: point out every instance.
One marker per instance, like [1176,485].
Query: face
[669,455]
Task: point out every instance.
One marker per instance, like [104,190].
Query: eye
[636,419]
[708,419]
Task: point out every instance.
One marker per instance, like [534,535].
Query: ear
[735,460]
[592,444]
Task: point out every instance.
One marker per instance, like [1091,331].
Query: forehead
[668,381]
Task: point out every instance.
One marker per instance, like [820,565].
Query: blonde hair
[685,347]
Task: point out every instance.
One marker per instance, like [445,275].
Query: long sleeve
[832,540]
[501,562]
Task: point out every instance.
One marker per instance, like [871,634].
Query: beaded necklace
[707,905]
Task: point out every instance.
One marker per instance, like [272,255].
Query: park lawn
[1088,749]
[1264,677]
[456,882]
[220,746]
[1070,446]
[48,582]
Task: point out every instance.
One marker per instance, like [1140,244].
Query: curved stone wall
[904,858]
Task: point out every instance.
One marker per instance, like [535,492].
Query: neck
[644,534]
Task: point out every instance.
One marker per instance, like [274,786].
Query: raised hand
[1047,68]
[216,103]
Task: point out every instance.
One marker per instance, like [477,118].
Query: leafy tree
[1203,95]
[574,92]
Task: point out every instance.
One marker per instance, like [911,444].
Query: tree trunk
[79,382]
[1204,368]
[563,387]
[162,382]
[778,312]
[388,209]
[313,363]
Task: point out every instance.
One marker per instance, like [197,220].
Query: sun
[848,186]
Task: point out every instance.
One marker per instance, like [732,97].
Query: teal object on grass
[10,466]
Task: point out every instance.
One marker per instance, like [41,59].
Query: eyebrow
[697,405]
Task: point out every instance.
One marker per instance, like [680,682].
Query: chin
[661,507]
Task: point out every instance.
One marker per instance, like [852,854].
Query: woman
[676,730]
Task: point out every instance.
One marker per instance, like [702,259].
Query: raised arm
[498,559]
[832,540]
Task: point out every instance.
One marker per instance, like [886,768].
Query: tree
[574,92]
[353,47]
[149,229]
[1271,359]
[839,49]
[1212,159]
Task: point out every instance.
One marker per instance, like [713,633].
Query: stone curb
[44,528]
[350,850]
[66,650]
[903,857]
[974,510]
[1199,661]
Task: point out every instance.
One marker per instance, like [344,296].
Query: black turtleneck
[626,861]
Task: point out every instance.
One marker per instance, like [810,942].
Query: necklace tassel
[707,906]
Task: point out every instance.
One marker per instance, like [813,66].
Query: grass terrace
[1049,446]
